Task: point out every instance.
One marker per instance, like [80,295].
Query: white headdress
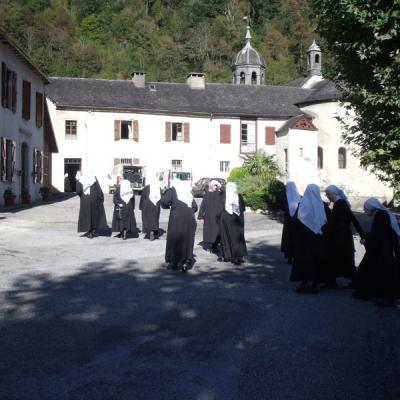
[232,199]
[125,190]
[87,180]
[374,204]
[293,197]
[183,191]
[154,194]
[338,193]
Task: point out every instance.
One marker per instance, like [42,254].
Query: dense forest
[165,38]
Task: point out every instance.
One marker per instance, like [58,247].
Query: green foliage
[364,38]
[237,174]
[275,195]
[261,164]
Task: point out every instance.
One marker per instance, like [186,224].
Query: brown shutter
[186,132]
[136,131]
[14,161]
[14,92]
[26,100]
[224,133]
[269,135]
[168,131]
[136,161]
[34,166]
[3,164]
[117,130]
[4,85]
[117,161]
[39,110]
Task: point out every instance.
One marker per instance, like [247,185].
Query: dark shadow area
[161,232]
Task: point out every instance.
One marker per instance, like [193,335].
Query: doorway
[71,167]
[24,167]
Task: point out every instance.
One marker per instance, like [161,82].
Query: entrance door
[24,167]
[71,167]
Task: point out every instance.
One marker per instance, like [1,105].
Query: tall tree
[364,38]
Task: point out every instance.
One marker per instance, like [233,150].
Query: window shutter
[34,166]
[14,161]
[224,133]
[40,167]
[4,84]
[269,135]
[136,161]
[3,165]
[26,100]
[117,161]
[168,131]
[14,92]
[117,130]
[136,131]
[39,110]
[186,132]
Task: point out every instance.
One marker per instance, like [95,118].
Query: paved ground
[102,319]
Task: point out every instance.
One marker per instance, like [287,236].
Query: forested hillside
[164,38]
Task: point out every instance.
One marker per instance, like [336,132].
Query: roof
[323,91]
[4,39]
[299,82]
[248,55]
[215,99]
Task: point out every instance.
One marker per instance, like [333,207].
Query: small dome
[313,47]
[248,55]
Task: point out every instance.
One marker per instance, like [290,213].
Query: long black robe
[150,212]
[232,232]
[91,211]
[181,228]
[339,241]
[308,260]
[128,219]
[210,210]
[288,233]
[378,272]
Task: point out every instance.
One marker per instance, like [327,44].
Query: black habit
[150,212]
[181,228]
[123,217]
[91,211]
[378,272]
[232,232]
[210,210]
[288,233]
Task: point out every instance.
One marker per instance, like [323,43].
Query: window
[39,110]
[248,137]
[342,158]
[224,134]
[26,100]
[8,88]
[37,172]
[126,161]
[253,78]
[286,160]
[224,166]
[320,158]
[242,78]
[177,134]
[126,129]
[317,58]
[176,165]
[70,129]
[8,159]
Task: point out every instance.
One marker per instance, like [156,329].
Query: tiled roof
[322,92]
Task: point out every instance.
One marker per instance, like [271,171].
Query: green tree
[261,164]
[364,38]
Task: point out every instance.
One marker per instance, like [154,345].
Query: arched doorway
[24,167]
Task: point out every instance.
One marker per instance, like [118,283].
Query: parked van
[135,174]
[166,177]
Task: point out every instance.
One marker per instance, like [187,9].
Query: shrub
[237,174]
[256,200]
[275,195]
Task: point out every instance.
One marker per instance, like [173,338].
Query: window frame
[71,132]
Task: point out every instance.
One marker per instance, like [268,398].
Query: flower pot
[9,201]
[26,199]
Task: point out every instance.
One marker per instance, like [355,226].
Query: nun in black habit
[181,225]
[232,225]
[288,231]
[150,206]
[91,211]
[339,238]
[209,213]
[308,251]
[124,219]
[378,272]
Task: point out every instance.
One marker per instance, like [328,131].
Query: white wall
[14,127]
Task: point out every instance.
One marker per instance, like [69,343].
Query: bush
[256,200]
[238,174]
[275,195]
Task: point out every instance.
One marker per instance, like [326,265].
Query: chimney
[196,80]
[139,79]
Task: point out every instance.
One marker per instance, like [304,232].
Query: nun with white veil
[124,219]
[288,231]
[307,265]
[378,272]
[92,215]
[181,225]
[340,250]
[232,225]
[150,206]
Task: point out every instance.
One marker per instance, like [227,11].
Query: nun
[307,265]
[339,238]
[378,272]
[181,225]
[91,211]
[150,206]
[232,225]
[209,212]
[67,183]
[124,220]
[291,205]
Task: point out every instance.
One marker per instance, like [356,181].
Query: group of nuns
[221,210]
[318,242]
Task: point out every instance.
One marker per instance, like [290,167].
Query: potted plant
[9,197]
[45,193]
[25,196]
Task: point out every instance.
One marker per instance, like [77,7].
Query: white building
[26,136]
[206,128]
